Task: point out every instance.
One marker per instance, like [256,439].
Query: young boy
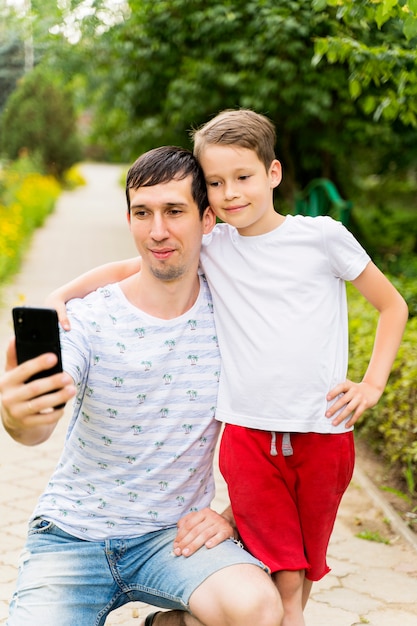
[278,286]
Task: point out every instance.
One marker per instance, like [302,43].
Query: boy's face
[240,190]
[166,226]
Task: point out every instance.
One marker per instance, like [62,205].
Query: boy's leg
[290,585]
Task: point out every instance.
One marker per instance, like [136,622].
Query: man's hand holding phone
[33,397]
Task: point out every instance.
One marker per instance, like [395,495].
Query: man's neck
[161,299]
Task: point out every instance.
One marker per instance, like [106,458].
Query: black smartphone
[37,332]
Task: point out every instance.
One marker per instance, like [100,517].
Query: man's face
[167,229]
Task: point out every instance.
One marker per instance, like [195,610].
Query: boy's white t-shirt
[281,317]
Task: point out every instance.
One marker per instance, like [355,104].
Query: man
[137,462]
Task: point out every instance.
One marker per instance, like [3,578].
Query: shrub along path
[371,582]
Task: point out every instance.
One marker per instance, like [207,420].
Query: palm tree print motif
[167,378]
[203,441]
[192,324]
[102,504]
[118,380]
[193,358]
[113,413]
[130,459]
[102,465]
[132,496]
[140,332]
[170,343]
[96,327]
[113,320]
[192,394]
[107,441]
[180,500]
[163,412]
[96,360]
[121,346]
[163,485]
[187,428]
[146,365]
[136,429]
[153,515]
[158,444]
[141,397]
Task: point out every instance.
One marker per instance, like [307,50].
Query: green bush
[390,428]
[26,199]
[39,119]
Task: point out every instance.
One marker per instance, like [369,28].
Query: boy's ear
[209,220]
[128,217]
[275,173]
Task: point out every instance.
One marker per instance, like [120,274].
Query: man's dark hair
[161,165]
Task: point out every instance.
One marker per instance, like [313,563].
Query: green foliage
[370,535]
[11,65]
[172,65]
[26,199]
[390,427]
[39,118]
[382,61]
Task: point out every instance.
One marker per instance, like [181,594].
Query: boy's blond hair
[238,127]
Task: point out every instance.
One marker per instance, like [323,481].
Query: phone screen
[37,332]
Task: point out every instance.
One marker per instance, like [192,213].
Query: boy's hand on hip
[353,400]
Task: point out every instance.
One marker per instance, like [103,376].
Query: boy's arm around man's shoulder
[89,281]
[393,315]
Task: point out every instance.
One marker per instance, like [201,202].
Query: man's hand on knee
[201,528]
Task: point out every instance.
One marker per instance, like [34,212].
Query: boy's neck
[270,222]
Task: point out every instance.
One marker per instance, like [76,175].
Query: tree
[174,64]
[39,117]
[381,61]
[11,65]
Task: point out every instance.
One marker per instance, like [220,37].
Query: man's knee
[240,595]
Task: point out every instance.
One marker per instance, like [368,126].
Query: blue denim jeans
[64,580]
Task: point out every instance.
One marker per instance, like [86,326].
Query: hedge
[27,197]
[390,428]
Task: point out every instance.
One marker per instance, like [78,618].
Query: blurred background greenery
[109,79]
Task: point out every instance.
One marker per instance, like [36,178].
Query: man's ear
[275,173]
[209,220]
[128,217]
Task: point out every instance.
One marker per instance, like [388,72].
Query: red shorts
[285,506]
